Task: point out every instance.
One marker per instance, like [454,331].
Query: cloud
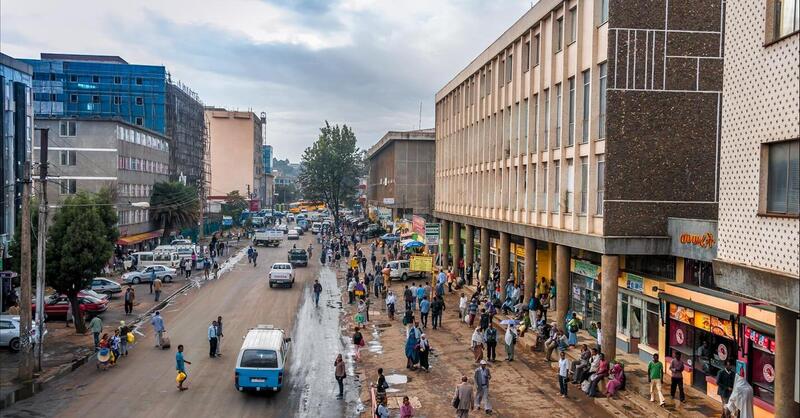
[365,63]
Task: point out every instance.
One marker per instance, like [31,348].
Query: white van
[316,227]
[157,258]
[261,360]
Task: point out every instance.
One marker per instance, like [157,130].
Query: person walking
[424,310]
[472,310]
[219,335]
[725,379]
[563,373]
[339,373]
[676,368]
[212,339]
[96,326]
[130,296]
[462,306]
[152,279]
[510,340]
[157,288]
[437,309]
[412,340]
[573,326]
[180,367]
[182,267]
[123,338]
[482,378]
[158,326]
[391,300]
[655,375]
[477,342]
[382,411]
[463,398]
[423,349]
[491,343]
[317,290]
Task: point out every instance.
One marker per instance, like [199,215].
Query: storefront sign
[585,268]
[388,201]
[634,282]
[681,314]
[418,224]
[432,233]
[693,238]
[760,339]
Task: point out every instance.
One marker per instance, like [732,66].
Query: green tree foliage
[331,168]
[174,205]
[80,243]
[287,193]
[234,204]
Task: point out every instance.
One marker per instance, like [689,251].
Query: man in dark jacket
[725,379]
[485,319]
[437,307]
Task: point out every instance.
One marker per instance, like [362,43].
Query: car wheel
[168,279]
[405,277]
[136,280]
[270,285]
[110,294]
[14,344]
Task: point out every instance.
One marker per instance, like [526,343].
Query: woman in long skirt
[423,349]
[477,344]
[412,355]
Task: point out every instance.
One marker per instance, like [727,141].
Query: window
[117,79]
[536,50]
[783,177]
[525,117]
[571,111]
[95,99]
[535,121]
[509,68]
[95,79]
[489,81]
[546,118]
[53,97]
[603,11]
[139,100]
[117,100]
[67,128]
[73,98]
[68,186]
[559,35]
[557,142]
[139,121]
[556,186]
[784,18]
[73,78]
[601,179]
[501,73]
[543,194]
[601,120]
[52,77]
[68,157]
[587,100]
[526,56]
[139,81]
[584,184]
[570,184]
[573,24]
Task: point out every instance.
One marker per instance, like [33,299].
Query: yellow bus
[305,206]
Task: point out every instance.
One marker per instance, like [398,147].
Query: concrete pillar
[505,260]
[469,257]
[485,267]
[562,284]
[445,238]
[785,352]
[530,269]
[608,304]
[456,245]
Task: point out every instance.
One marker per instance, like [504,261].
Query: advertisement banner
[432,233]
[585,268]
[421,263]
[682,314]
[418,224]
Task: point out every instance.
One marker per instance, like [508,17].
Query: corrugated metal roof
[263,337]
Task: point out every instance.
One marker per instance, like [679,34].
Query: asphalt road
[143,384]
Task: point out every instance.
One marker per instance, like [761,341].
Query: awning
[719,313]
[135,239]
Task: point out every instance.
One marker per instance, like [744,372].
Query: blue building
[106,87]
[16,130]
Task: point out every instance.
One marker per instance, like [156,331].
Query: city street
[143,384]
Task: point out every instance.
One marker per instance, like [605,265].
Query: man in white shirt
[563,373]
[462,307]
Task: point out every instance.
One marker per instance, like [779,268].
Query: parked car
[162,272]
[57,305]
[293,235]
[92,293]
[181,242]
[281,274]
[9,332]
[400,270]
[106,286]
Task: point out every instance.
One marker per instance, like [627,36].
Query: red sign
[255,205]
[703,241]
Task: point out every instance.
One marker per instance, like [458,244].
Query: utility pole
[25,371]
[41,252]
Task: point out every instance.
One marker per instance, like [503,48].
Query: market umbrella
[390,237]
[413,244]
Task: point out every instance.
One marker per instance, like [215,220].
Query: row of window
[128,217]
[135,137]
[783,178]
[134,190]
[75,78]
[139,164]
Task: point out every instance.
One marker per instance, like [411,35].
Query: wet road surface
[143,384]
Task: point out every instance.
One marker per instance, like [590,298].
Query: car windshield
[281,267]
[259,358]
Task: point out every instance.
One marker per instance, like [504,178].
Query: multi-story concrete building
[269,177]
[236,152]
[186,127]
[401,173]
[759,206]
[90,154]
[581,149]
[16,131]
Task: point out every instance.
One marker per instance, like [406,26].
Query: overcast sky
[364,63]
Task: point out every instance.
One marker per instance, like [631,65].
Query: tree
[331,168]
[234,204]
[174,205]
[286,193]
[80,242]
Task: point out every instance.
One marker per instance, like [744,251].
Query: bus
[305,206]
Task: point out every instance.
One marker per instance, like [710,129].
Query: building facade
[89,155]
[16,131]
[99,86]
[236,139]
[401,172]
[759,208]
[581,150]
[186,128]
[269,177]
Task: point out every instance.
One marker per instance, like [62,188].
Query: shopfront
[757,358]
[638,315]
[585,290]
